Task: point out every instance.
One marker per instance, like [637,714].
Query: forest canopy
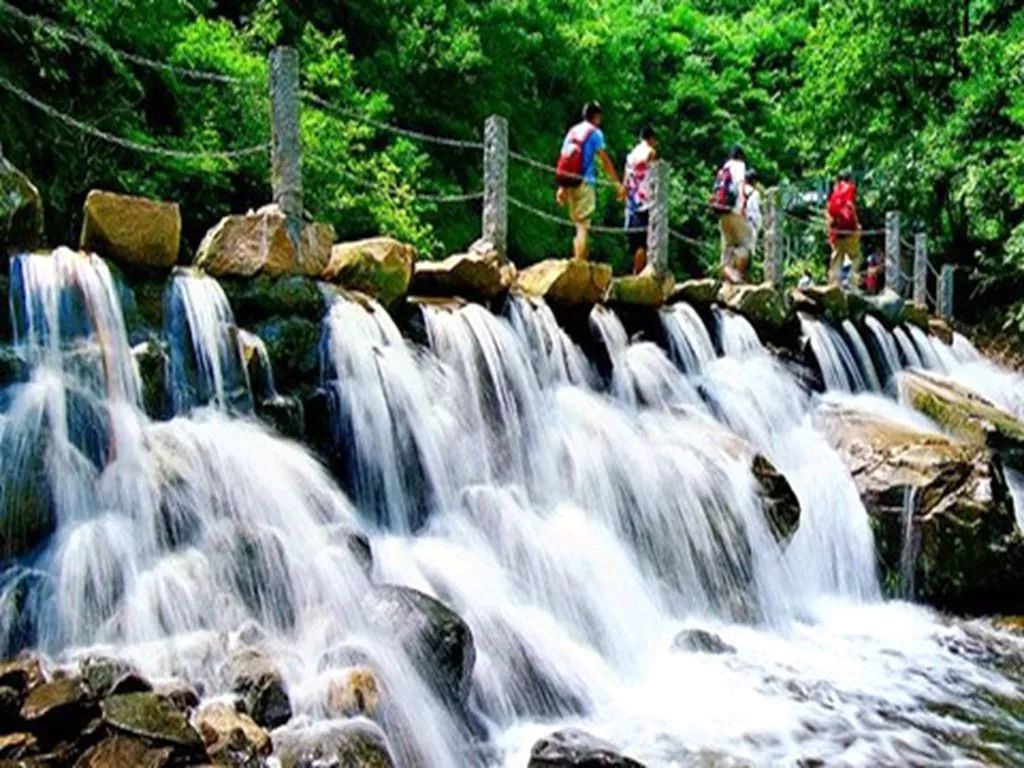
[923,100]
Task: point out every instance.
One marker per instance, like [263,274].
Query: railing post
[946,291]
[657,227]
[286,145]
[893,266]
[921,268]
[495,206]
[774,263]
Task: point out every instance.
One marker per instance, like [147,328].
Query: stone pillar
[945,293]
[774,262]
[658,225]
[495,206]
[920,293]
[893,267]
[286,171]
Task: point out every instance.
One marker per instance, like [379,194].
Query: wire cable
[120,141]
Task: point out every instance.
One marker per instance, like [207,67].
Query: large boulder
[702,292]
[61,699]
[133,231]
[21,211]
[779,500]
[963,413]
[916,314]
[258,243]
[566,281]
[478,274]
[379,266]
[254,300]
[573,748]
[829,301]
[356,743]
[761,304]
[431,633]
[353,691]
[887,306]
[231,737]
[119,751]
[293,346]
[963,546]
[153,718]
[701,641]
[645,289]
[260,686]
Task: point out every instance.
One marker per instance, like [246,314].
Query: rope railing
[131,144]
[40,22]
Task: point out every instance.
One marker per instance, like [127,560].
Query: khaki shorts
[582,202]
[848,245]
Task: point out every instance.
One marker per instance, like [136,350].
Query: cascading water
[576,530]
[908,350]
[888,355]
[836,359]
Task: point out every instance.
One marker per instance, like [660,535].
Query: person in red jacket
[843,227]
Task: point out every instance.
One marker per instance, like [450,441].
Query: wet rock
[22,674]
[352,692]
[261,687]
[231,737]
[133,231]
[21,211]
[151,360]
[761,304]
[62,699]
[379,266]
[13,368]
[962,412]
[283,414]
[916,314]
[181,694]
[14,746]
[23,592]
[887,306]
[151,717]
[27,512]
[10,706]
[119,751]
[292,345]
[699,293]
[356,542]
[478,274]
[260,298]
[645,290]
[358,743]
[261,576]
[258,242]
[829,301]
[780,503]
[967,553]
[573,748]
[566,281]
[104,676]
[701,641]
[433,634]
[941,329]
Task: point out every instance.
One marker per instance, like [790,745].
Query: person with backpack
[640,195]
[843,228]
[576,174]
[728,203]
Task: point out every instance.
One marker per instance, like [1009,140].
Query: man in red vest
[843,227]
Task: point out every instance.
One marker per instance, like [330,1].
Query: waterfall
[927,350]
[689,340]
[556,358]
[888,354]
[908,551]
[908,351]
[837,361]
[861,355]
[206,363]
[736,336]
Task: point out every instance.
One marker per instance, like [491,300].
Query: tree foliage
[924,99]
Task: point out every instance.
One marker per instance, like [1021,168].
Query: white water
[576,531]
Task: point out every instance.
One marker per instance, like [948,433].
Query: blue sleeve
[596,141]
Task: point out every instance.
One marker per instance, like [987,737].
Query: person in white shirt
[640,195]
[732,221]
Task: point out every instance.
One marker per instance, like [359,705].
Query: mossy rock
[762,304]
[702,292]
[887,306]
[293,347]
[644,290]
[152,717]
[379,266]
[829,301]
[254,300]
[916,314]
[21,211]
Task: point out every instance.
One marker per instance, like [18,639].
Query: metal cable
[567,223]
[465,197]
[539,166]
[407,132]
[104,48]
[184,154]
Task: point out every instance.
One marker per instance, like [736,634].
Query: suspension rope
[388,127]
[119,141]
[526,207]
[442,199]
[101,47]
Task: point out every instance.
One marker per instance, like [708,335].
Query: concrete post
[945,296]
[893,267]
[657,227]
[920,293]
[774,262]
[495,206]
[286,145]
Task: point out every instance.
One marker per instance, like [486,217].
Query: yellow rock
[379,266]
[134,231]
[565,281]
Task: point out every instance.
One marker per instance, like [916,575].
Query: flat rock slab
[644,290]
[133,231]
[462,274]
[701,292]
[123,751]
[53,698]
[761,304]
[152,717]
[566,281]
